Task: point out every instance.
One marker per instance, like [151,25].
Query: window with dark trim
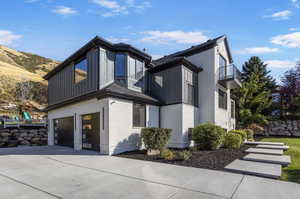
[139,115]
[120,66]
[80,70]
[136,68]
[222,99]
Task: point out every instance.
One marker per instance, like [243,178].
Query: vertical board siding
[62,85]
[166,85]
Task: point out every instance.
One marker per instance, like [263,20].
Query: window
[222,99]
[80,70]
[131,65]
[222,67]
[120,65]
[136,68]
[190,87]
[232,109]
[190,94]
[139,69]
[222,61]
[139,115]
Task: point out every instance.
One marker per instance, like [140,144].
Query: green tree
[257,66]
[251,100]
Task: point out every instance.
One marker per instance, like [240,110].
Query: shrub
[242,133]
[167,154]
[232,141]
[155,138]
[208,136]
[250,134]
[184,155]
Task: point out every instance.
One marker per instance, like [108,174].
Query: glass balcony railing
[230,76]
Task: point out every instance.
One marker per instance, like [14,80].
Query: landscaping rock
[13,137]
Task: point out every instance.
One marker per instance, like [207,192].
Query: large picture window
[222,99]
[120,65]
[80,70]
[139,115]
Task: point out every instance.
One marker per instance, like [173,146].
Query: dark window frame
[87,69]
[222,99]
[140,123]
[116,66]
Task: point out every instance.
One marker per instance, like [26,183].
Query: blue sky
[56,28]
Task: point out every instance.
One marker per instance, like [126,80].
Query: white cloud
[296,3]
[258,50]
[280,63]
[7,37]
[63,10]
[177,36]
[282,15]
[291,40]
[114,8]
[294,29]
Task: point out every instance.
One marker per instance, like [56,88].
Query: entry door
[91,131]
[64,131]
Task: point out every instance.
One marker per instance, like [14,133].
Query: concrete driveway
[59,172]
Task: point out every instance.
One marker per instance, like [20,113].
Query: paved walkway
[58,172]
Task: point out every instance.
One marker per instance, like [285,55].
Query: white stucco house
[104,94]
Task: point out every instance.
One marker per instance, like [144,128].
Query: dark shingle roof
[194,49]
[112,90]
[168,62]
[120,91]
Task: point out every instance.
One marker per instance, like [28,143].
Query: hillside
[16,67]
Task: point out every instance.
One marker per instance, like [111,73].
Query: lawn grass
[292,172]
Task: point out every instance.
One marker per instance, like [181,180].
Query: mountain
[17,66]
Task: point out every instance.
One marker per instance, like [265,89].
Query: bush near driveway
[232,141]
[242,133]
[208,136]
[155,138]
[184,155]
[167,154]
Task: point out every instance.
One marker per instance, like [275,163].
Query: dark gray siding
[166,85]
[107,65]
[62,86]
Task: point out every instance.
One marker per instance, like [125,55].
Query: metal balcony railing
[230,72]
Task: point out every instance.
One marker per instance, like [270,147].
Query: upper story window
[120,67]
[80,70]
[222,99]
[136,68]
[190,87]
[222,61]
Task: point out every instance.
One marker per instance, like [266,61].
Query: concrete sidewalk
[58,172]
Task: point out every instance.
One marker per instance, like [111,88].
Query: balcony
[230,77]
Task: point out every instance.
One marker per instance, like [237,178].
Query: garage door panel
[64,131]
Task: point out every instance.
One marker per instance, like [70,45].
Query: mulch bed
[216,160]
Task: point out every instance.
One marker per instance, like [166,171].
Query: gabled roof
[199,48]
[96,42]
[112,90]
[169,62]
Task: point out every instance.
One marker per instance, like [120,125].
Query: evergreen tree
[257,66]
[252,99]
